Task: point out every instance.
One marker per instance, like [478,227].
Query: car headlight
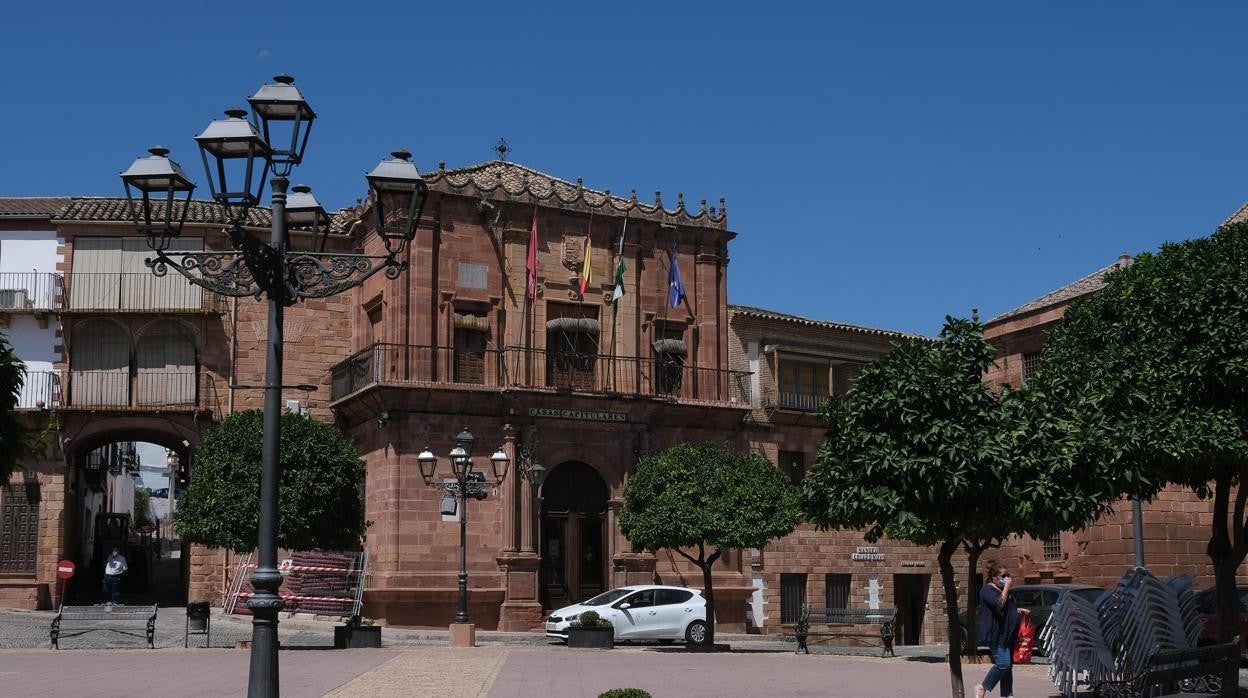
[569,619]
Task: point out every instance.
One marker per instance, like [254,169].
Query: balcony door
[165,360]
[99,365]
[110,273]
[574,537]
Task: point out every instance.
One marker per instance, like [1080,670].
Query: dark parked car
[1207,604]
[1040,600]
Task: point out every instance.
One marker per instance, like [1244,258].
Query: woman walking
[998,626]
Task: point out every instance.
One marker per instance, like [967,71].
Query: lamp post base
[463,635]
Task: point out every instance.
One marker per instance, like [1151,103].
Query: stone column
[512,487]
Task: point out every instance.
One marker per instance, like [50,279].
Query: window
[803,384]
[109,273]
[642,599]
[1053,548]
[1031,365]
[19,528]
[837,590]
[375,332]
[793,464]
[669,358]
[792,597]
[671,597]
[572,346]
[471,338]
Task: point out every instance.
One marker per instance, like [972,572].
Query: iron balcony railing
[30,291]
[40,390]
[537,369]
[139,391]
[801,402]
[137,292]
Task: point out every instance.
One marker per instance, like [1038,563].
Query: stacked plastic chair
[1112,640]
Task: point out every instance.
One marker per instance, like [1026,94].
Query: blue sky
[885,163]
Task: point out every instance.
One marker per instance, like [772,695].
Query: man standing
[113,569]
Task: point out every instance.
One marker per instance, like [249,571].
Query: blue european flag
[675,287]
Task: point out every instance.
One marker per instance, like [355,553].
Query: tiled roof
[1088,284]
[116,209]
[1238,217]
[31,206]
[747,311]
[514,180]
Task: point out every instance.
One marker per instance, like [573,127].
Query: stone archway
[574,550]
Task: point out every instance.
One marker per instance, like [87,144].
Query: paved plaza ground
[417,663]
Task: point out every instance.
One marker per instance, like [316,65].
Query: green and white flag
[618,293]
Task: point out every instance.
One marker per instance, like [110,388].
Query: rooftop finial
[579,185]
[442,164]
[658,198]
[502,149]
[974,314]
[702,207]
[723,206]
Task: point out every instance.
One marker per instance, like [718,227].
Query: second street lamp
[238,158]
[465,482]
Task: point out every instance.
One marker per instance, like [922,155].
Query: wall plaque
[578,414]
[867,553]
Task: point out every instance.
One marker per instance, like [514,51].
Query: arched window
[165,361]
[100,365]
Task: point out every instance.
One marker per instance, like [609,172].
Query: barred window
[792,597]
[1031,365]
[838,590]
[1053,548]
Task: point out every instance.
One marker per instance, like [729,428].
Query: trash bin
[198,621]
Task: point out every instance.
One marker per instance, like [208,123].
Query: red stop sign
[65,569]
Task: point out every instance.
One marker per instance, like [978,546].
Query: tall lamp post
[238,156]
[465,482]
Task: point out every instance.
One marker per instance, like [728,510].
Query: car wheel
[964,637]
[696,633]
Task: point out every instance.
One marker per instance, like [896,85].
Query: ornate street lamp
[465,482]
[238,157]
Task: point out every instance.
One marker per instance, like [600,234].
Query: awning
[573,324]
[472,322]
[670,346]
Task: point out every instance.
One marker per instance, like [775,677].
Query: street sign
[65,569]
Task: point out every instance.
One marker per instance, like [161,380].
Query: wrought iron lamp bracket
[473,488]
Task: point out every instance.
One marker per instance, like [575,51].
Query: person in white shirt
[114,568]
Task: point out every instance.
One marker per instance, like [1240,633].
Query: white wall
[22,251]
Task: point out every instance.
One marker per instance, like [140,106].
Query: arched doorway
[574,537]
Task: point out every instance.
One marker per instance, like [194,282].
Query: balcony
[30,292]
[798,402]
[146,391]
[138,292]
[538,370]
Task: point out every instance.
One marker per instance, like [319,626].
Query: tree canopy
[921,449]
[13,438]
[1157,362]
[704,496]
[319,505]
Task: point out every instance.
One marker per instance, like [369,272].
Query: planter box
[351,637]
[592,638]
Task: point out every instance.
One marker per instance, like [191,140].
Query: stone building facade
[1176,522]
[794,364]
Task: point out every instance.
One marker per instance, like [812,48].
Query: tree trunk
[1226,552]
[971,650]
[945,559]
[709,592]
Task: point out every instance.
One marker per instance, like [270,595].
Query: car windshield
[608,597]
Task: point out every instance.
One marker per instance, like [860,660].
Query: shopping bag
[1025,642]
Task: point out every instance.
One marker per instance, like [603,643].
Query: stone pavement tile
[431,672]
[174,672]
[565,673]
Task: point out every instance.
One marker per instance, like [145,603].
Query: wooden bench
[842,622]
[1199,672]
[104,617]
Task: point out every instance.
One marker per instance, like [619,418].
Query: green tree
[923,450]
[14,442]
[1159,358]
[703,496]
[319,504]
[142,506]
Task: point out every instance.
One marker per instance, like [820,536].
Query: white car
[643,612]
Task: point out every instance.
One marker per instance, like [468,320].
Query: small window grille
[1053,548]
[792,597]
[1031,365]
[838,590]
